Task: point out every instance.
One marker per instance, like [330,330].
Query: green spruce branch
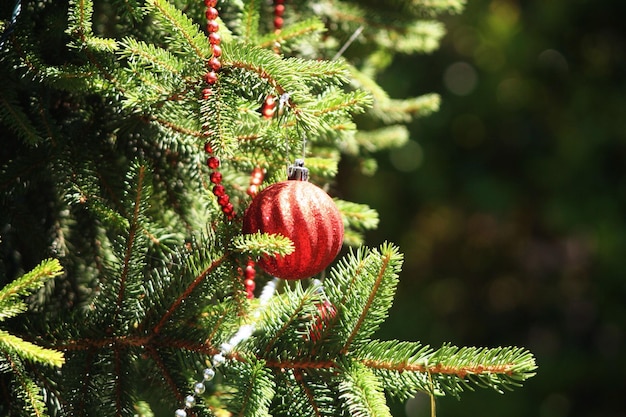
[356,362]
[15,352]
[12,304]
[110,133]
[292,35]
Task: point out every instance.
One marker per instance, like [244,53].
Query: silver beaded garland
[190,401]
[208,374]
[199,388]
[219,359]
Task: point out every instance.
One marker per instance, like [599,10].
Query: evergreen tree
[109,111]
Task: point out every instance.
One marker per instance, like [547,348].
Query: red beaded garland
[213,163]
[249,274]
[279,10]
[269,107]
[216,177]
[256,178]
[210,77]
[215,38]
[223,200]
[278,22]
[212,26]
[219,190]
[215,64]
[211,13]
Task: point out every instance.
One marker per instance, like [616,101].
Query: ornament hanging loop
[297,171]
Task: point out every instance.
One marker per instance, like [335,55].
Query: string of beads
[210,77]
[269,105]
[213,162]
[219,190]
[279,10]
[249,273]
[243,333]
[256,178]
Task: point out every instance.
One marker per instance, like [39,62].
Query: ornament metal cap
[297,171]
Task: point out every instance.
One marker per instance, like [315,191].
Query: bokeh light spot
[460,78]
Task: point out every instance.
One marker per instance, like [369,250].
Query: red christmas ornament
[305,214]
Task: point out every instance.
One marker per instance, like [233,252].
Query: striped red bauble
[305,214]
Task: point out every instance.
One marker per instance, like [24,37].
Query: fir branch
[74,78]
[97,43]
[307,393]
[218,321]
[361,392]
[151,56]
[389,110]
[390,28]
[119,391]
[29,351]
[407,366]
[174,306]
[312,398]
[171,125]
[254,389]
[128,9]
[325,166]
[11,309]
[284,76]
[376,303]
[165,373]
[334,103]
[497,368]
[149,89]
[434,7]
[292,397]
[258,61]
[14,117]
[358,215]
[79,19]
[292,33]
[180,29]
[25,389]
[301,364]
[218,121]
[394,136]
[250,20]
[31,281]
[286,314]
[134,226]
[263,244]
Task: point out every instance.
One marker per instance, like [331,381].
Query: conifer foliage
[103,168]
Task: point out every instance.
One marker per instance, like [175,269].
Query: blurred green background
[510,202]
